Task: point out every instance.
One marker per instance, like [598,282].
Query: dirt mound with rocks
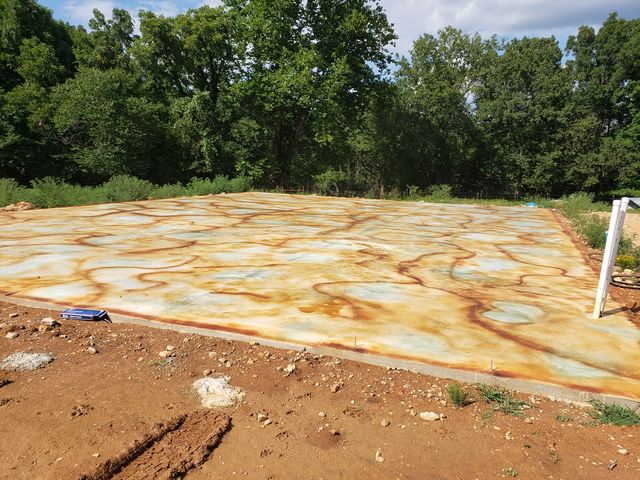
[18,207]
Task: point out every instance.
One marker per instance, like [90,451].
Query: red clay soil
[327,419]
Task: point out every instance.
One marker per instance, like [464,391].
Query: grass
[614,414]
[457,394]
[502,400]
[563,418]
[50,192]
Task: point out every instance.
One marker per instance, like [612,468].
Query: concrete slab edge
[580,397]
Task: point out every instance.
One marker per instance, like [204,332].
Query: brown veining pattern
[454,285]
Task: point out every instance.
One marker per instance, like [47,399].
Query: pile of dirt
[18,207]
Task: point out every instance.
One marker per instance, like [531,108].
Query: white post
[614,235]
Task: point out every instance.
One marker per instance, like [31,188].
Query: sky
[411,18]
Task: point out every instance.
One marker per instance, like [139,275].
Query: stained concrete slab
[489,290]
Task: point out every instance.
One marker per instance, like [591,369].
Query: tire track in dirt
[169,450]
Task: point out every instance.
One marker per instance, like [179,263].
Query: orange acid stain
[500,290]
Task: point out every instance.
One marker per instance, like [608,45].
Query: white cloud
[80,12]
[506,18]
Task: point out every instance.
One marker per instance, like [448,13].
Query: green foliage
[615,414]
[172,190]
[440,192]
[10,191]
[628,260]
[457,394]
[123,188]
[50,192]
[299,94]
[332,182]
[220,184]
[502,400]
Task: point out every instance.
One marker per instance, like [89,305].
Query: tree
[106,127]
[108,42]
[520,104]
[308,67]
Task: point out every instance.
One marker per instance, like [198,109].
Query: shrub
[331,182]
[173,190]
[240,184]
[627,260]
[206,186]
[593,229]
[413,191]
[124,188]
[10,191]
[457,395]
[50,192]
[440,192]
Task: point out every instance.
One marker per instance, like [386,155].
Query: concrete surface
[492,290]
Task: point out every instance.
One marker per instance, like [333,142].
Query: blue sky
[506,18]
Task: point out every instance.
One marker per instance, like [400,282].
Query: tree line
[293,93]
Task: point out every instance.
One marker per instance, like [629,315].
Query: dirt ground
[323,421]
[109,406]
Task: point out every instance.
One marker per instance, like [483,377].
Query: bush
[440,192]
[577,203]
[240,184]
[206,186]
[10,192]
[124,188]
[50,192]
[332,182]
[593,229]
[173,190]
[627,260]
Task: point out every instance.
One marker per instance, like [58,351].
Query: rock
[13,315]
[166,354]
[268,421]
[529,420]
[431,416]
[379,458]
[262,417]
[385,423]
[336,387]
[22,361]
[508,435]
[206,373]
[623,451]
[627,271]
[92,350]
[12,335]
[170,348]
[334,432]
[50,322]
[322,414]
[216,392]
[289,369]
